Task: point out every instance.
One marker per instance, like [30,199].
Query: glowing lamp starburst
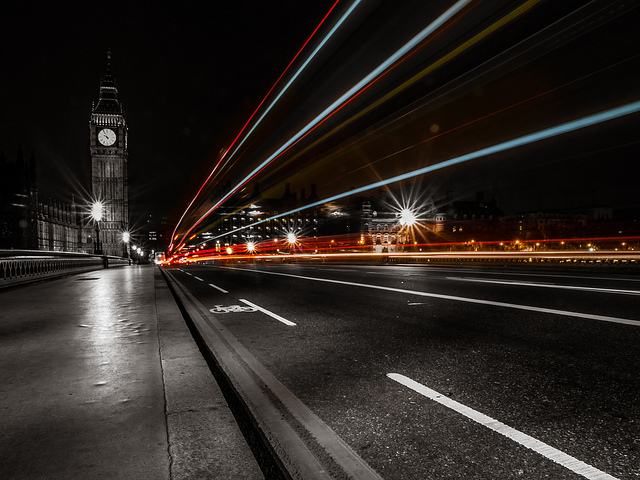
[96,211]
[407,217]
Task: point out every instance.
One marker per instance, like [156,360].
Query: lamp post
[126,237]
[96,214]
[291,239]
[407,220]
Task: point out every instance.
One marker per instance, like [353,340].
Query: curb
[289,440]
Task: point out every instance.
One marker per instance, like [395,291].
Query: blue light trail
[571,126]
[428,30]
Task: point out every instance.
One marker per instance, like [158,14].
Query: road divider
[553,454]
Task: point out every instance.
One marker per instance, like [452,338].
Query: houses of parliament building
[29,223]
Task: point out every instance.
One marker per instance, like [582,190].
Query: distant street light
[291,239]
[407,217]
[251,247]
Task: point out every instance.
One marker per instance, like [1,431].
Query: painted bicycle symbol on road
[232,309]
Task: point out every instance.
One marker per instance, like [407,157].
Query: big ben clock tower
[108,143]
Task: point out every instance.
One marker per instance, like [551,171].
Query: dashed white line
[218,288]
[547,285]
[530,308]
[271,314]
[542,448]
[188,273]
[198,278]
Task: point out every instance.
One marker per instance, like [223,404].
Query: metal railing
[25,266]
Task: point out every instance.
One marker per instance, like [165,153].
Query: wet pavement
[100,378]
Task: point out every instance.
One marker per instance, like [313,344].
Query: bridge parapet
[24,266]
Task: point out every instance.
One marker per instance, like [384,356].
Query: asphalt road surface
[445,372]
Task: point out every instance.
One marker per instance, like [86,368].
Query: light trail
[438,63]
[561,129]
[342,19]
[407,47]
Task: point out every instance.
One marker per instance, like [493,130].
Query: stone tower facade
[108,134]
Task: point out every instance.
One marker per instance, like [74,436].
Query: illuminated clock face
[107,137]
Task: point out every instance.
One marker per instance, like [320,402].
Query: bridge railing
[24,266]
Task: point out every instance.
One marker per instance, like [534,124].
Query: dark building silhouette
[26,222]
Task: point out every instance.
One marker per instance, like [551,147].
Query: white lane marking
[189,273]
[392,271]
[551,311]
[218,288]
[537,446]
[415,303]
[198,278]
[546,275]
[271,314]
[548,285]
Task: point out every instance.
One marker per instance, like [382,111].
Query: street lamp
[407,217]
[407,220]
[96,214]
[126,238]
[251,247]
[291,240]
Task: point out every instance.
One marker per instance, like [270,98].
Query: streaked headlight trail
[564,128]
[458,90]
[428,30]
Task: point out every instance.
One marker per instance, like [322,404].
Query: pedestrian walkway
[100,378]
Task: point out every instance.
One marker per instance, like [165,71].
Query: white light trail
[432,27]
[326,38]
[295,76]
[561,129]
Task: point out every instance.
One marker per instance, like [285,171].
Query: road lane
[568,382]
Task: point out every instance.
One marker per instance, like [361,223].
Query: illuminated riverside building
[251,221]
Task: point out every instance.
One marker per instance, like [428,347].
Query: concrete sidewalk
[100,378]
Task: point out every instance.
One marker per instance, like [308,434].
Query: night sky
[190,75]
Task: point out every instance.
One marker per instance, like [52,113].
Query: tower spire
[108,100]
